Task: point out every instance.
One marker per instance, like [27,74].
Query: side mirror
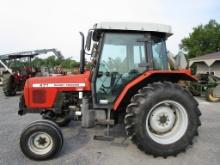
[88,40]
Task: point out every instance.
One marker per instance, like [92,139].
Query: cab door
[120,61]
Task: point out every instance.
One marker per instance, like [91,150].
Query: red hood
[41,92]
[78,82]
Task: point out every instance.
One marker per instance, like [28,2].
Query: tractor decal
[51,85]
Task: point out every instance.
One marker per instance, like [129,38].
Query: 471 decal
[52,85]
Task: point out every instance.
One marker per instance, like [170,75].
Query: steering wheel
[114,77]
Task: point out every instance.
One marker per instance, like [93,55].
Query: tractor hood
[42,91]
[78,82]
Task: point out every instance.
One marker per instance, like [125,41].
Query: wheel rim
[167,122]
[40,143]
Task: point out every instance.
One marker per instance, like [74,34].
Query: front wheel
[162,119]
[41,140]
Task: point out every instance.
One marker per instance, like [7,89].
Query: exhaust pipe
[82,54]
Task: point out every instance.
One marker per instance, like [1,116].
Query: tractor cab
[122,52]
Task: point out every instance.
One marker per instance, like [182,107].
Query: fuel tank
[41,92]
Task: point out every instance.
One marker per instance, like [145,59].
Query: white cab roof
[152,27]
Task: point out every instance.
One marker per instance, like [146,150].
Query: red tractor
[18,68]
[129,81]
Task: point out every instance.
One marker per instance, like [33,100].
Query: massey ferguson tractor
[18,68]
[129,82]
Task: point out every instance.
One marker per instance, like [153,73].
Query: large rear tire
[8,85]
[41,140]
[162,119]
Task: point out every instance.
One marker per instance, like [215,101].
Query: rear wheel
[162,119]
[8,85]
[41,140]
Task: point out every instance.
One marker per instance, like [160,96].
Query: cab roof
[132,26]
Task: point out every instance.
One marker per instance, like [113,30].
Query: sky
[38,24]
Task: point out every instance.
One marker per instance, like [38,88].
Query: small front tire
[41,140]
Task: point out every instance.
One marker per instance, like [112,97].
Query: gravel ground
[80,148]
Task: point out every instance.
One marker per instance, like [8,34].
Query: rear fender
[148,77]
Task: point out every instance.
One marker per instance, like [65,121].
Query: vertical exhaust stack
[82,54]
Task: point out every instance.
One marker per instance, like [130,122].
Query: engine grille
[39,96]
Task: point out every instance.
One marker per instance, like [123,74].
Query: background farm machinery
[207,85]
[18,67]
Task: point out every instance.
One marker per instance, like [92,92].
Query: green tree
[69,63]
[52,61]
[204,39]
[38,62]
